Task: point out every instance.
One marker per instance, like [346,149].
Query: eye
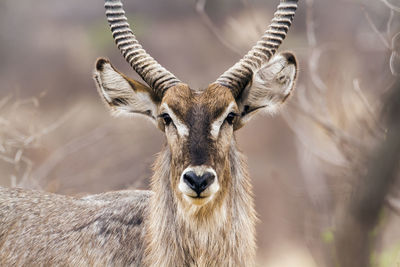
[166,118]
[230,118]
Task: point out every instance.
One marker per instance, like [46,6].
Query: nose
[198,183]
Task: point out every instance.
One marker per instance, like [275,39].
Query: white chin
[196,200]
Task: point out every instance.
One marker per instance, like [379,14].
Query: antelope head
[199,125]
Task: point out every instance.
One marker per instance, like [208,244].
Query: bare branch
[313,65]
[315,53]
[394,62]
[18,155]
[391,6]
[389,23]
[200,8]
[69,148]
[367,105]
[312,40]
[353,241]
[329,128]
[49,128]
[16,140]
[375,29]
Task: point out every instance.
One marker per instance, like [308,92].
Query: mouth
[198,197]
[197,200]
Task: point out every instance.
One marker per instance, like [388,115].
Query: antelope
[200,209]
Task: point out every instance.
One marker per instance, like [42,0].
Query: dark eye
[230,118]
[166,118]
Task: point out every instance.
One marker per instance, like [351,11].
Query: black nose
[198,183]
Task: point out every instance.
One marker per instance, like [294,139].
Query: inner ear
[124,96]
[270,86]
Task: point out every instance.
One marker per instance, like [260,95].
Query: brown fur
[158,227]
[217,234]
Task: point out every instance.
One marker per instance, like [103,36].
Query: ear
[122,95]
[270,86]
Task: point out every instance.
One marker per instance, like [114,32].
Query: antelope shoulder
[39,228]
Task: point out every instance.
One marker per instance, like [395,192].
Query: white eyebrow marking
[180,126]
[216,125]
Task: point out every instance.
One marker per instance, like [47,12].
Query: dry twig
[69,148]
[14,143]
[375,29]
[200,8]
[391,6]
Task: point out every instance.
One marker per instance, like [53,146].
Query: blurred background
[305,162]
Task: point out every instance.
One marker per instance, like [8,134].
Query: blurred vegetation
[306,164]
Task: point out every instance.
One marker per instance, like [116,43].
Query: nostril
[206,180]
[190,179]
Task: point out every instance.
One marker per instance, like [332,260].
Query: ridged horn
[239,75]
[157,77]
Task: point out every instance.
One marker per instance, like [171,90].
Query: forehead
[186,103]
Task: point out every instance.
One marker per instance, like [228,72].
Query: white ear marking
[120,95]
[271,85]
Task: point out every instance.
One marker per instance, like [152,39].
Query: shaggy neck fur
[211,235]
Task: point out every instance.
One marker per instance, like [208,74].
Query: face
[199,130]
[199,126]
